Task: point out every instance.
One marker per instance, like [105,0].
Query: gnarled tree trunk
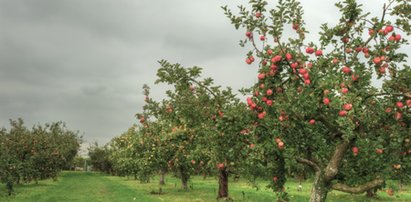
[162,174]
[184,178]
[223,184]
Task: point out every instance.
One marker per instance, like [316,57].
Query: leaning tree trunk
[223,184]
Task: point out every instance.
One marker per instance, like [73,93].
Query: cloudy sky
[84,61]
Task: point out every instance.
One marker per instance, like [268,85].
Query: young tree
[317,103]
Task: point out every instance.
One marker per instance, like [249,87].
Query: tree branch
[309,163]
[358,189]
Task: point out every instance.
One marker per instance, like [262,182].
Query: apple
[264,99]
[342,113]
[358,49]
[336,61]
[345,39]
[142,119]
[269,52]
[221,166]
[251,146]
[408,102]
[390,192]
[379,151]
[277,140]
[389,28]
[355,150]
[257,14]
[388,110]
[248,61]
[397,116]
[346,70]
[309,50]
[302,71]
[391,38]
[193,162]
[288,56]
[294,65]
[307,81]
[306,76]
[399,104]
[296,26]
[318,52]
[347,107]
[261,115]
[275,178]
[280,145]
[381,70]
[220,113]
[312,122]
[344,90]
[262,37]
[397,37]
[276,59]
[261,76]
[371,32]
[269,102]
[269,92]
[377,60]
[326,101]
[248,34]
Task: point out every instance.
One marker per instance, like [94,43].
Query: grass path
[90,187]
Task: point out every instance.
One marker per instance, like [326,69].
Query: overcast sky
[84,62]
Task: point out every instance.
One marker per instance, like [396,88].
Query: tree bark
[184,178]
[223,184]
[358,189]
[162,174]
[319,190]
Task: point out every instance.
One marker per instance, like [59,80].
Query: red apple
[377,60]
[261,115]
[399,104]
[342,113]
[276,59]
[347,107]
[269,102]
[312,122]
[309,50]
[252,146]
[248,34]
[269,92]
[397,115]
[389,28]
[344,90]
[193,162]
[257,14]
[262,37]
[221,166]
[261,76]
[355,150]
[319,53]
[326,101]
[248,61]
[379,151]
[275,178]
[346,70]
[288,56]
[294,65]
[397,37]
[408,103]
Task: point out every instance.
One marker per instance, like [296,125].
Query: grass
[90,187]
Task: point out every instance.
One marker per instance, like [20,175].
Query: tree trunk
[184,178]
[162,174]
[223,184]
[319,190]
[371,193]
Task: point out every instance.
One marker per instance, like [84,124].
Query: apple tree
[319,104]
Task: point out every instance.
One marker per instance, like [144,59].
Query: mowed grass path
[90,187]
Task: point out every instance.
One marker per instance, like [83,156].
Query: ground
[90,187]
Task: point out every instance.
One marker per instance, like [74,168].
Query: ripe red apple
[342,113]
[269,92]
[344,90]
[306,76]
[261,76]
[288,56]
[280,145]
[262,37]
[221,166]
[248,61]
[319,53]
[391,38]
[269,102]
[312,122]
[371,32]
[354,77]
[220,113]
[257,14]
[408,102]
[397,116]
[277,140]
[142,119]
[248,34]
[389,28]
[358,49]
[336,61]
[276,59]
[399,104]
[261,115]
[326,101]
[275,178]
[264,99]
[309,50]
[307,81]
[347,107]
[355,150]
[302,71]
[381,70]
[379,151]
[345,39]
[377,60]
[388,110]
[397,37]
[251,146]
[193,162]
[296,26]
[346,70]
[294,65]
[269,52]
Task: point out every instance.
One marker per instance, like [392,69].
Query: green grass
[89,187]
